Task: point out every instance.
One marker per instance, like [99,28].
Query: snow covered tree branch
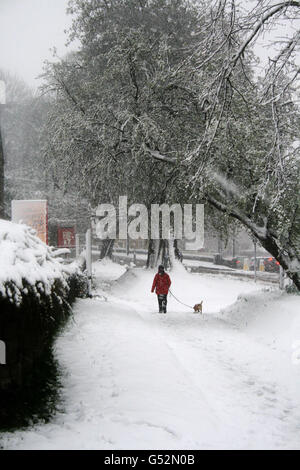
[181,87]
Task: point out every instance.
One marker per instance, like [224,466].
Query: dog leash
[179,300]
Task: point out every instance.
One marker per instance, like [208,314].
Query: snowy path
[135,379]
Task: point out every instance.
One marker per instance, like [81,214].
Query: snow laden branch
[198,104]
[264,223]
[158,156]
[228,56]
[270,12]
[285,248]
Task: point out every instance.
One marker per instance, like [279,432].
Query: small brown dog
[198,307]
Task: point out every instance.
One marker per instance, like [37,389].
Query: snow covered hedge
[36,290]
[27,265]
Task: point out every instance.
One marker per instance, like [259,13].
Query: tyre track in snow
[252,410]
[237,374]
[254,407]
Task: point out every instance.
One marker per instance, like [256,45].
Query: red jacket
[162,283]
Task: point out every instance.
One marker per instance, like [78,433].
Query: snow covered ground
[134,379]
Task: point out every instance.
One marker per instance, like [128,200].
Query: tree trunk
[284,259]
[151,254]
[162,256]
[107,248]
[176,252]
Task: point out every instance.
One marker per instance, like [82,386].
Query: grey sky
[28,29]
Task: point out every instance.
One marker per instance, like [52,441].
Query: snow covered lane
[255,408]
[124,389]
[135,379]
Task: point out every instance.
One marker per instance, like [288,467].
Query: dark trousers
[162,303]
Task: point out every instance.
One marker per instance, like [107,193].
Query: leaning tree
[246,162]
[172,92]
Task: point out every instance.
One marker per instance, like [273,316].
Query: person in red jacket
[162,284]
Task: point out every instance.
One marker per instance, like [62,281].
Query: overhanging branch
[259,232]
[158,156]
